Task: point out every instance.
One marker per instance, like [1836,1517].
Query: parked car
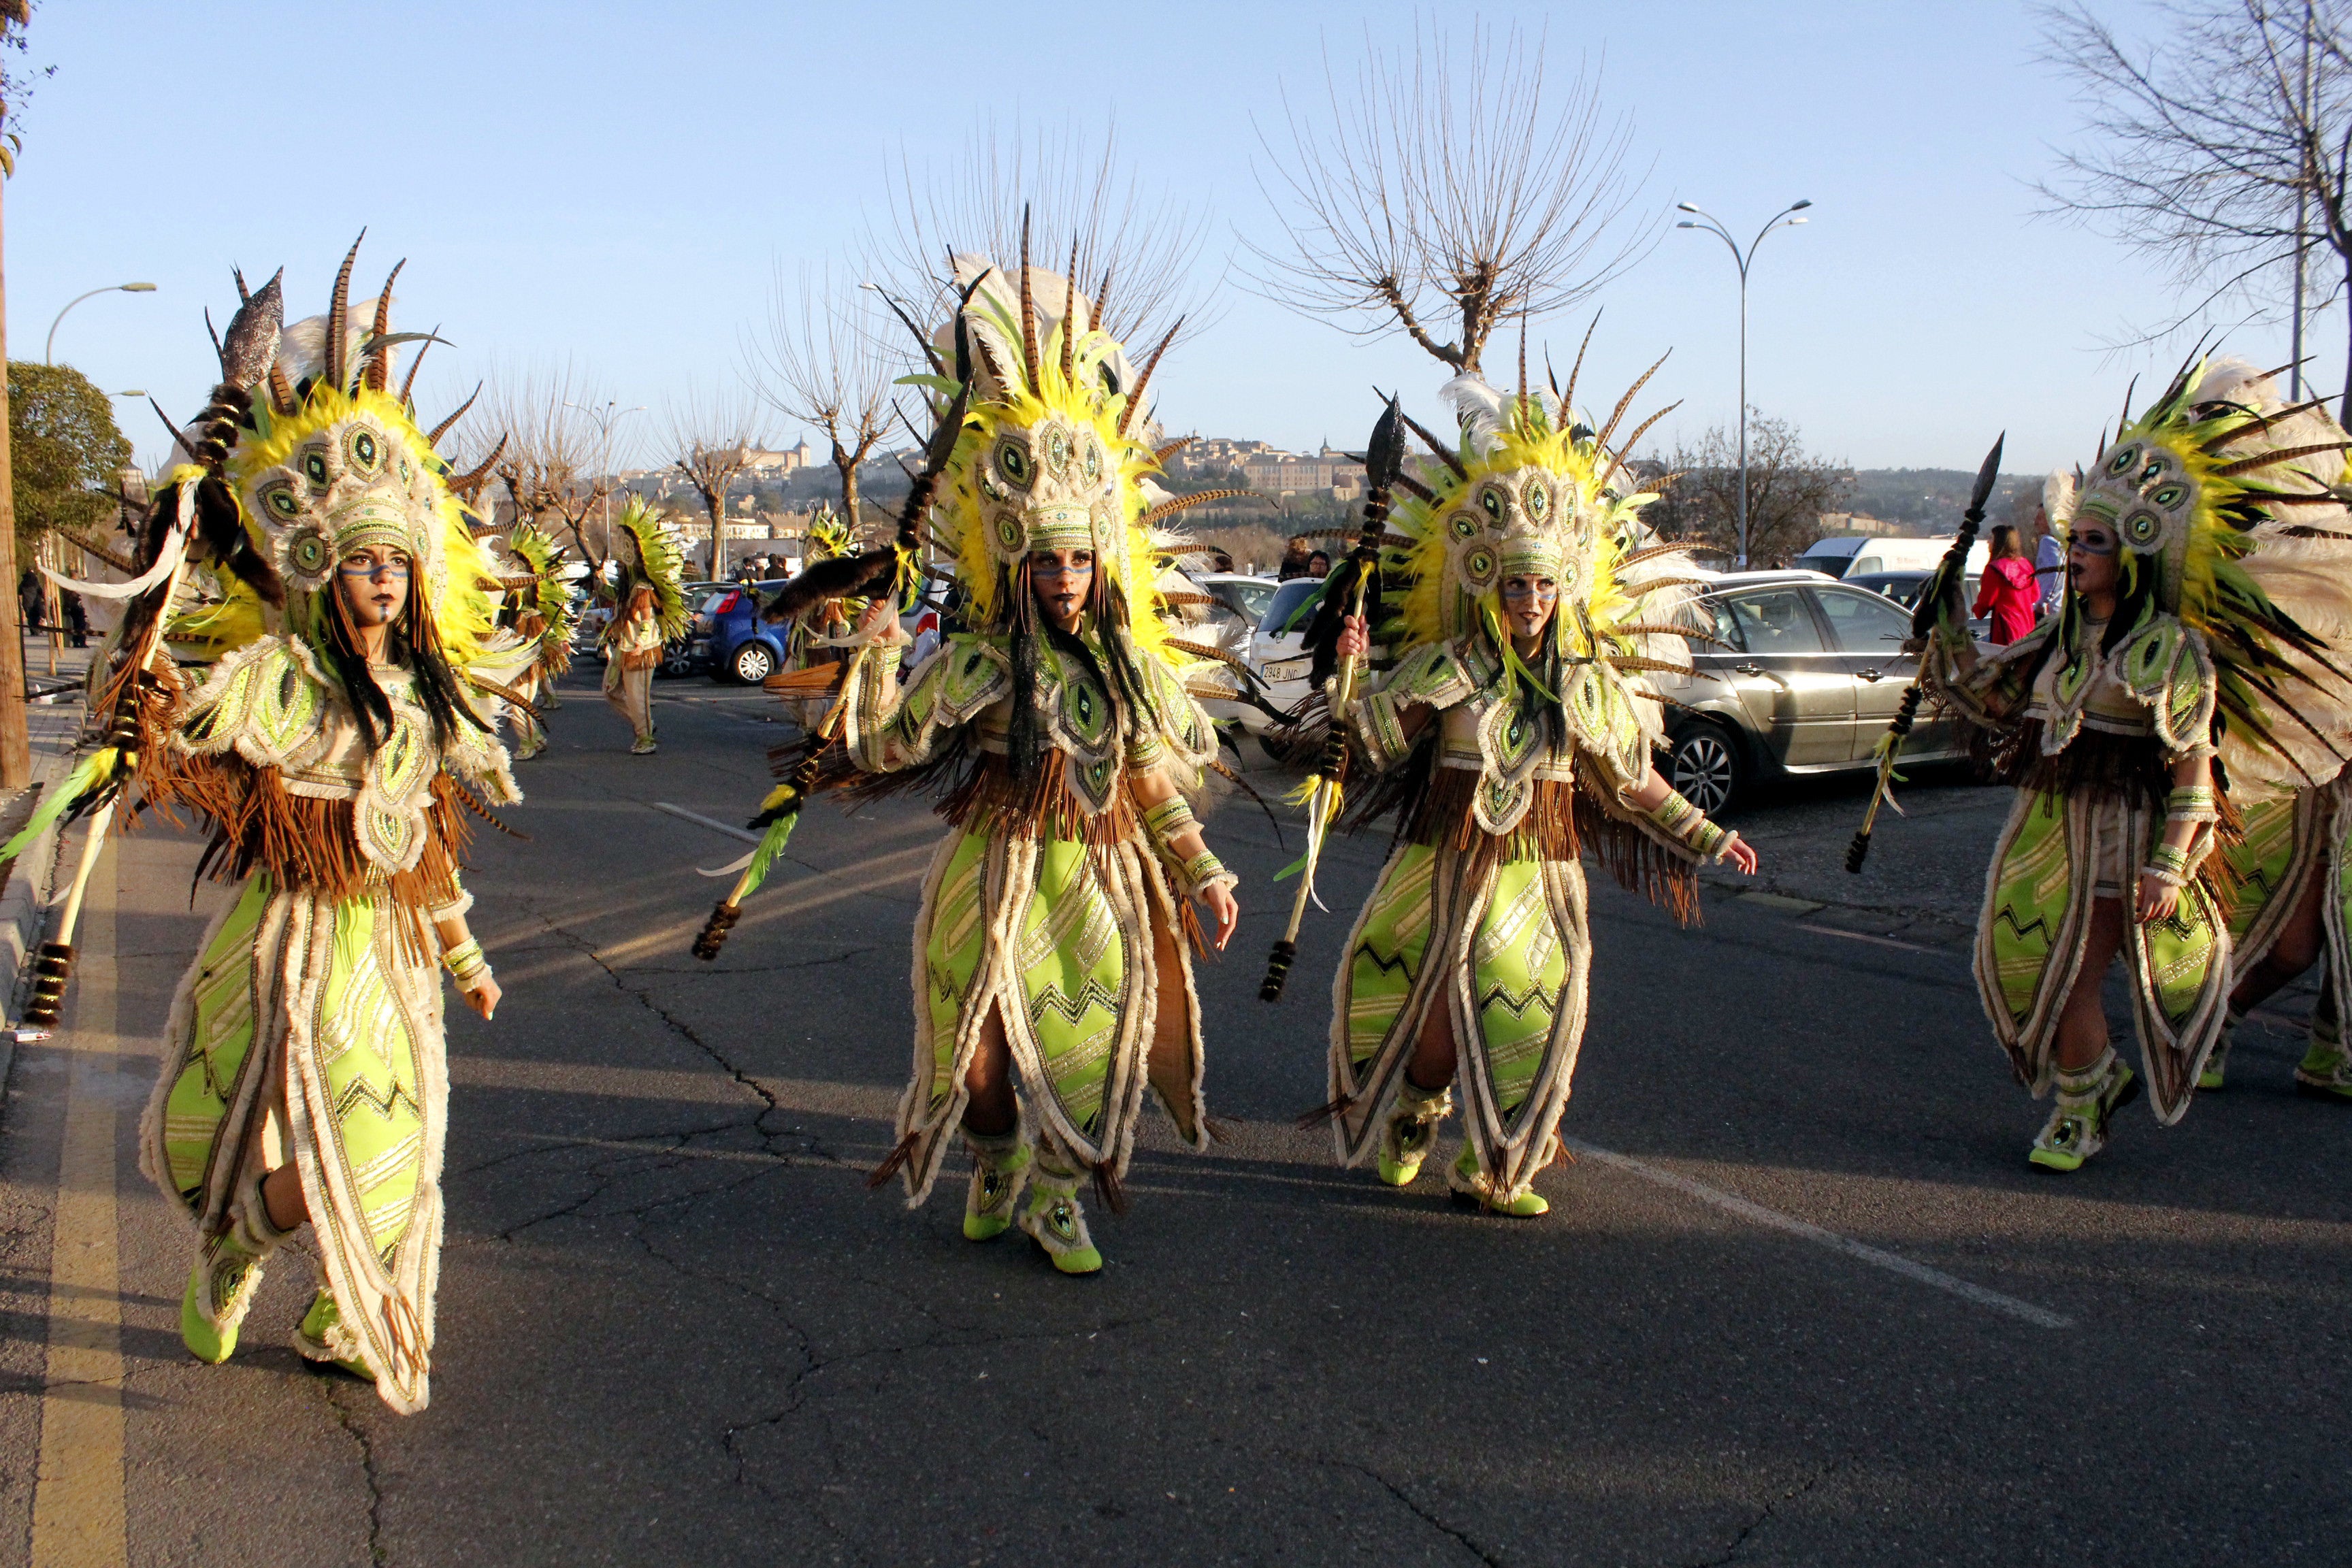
[727,637]
[1809,674]
[1905,588]
[1262,608]
[1848,557]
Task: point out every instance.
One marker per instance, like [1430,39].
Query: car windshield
[1244,598]
[1286,599]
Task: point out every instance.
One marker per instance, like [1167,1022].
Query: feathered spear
[195,508]
[1950,572]
[878,573]
[1353,584]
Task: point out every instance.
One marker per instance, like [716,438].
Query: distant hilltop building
[1326,472]
[775,465]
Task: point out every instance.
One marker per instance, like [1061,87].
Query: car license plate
[1288,669]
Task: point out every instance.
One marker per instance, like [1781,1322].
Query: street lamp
[1782,219]
[50,350]
[606,417]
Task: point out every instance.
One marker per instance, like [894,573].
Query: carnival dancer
[646,584]
[1050,949]
[2289,868]
[1514,727]
[2199,591]
[539,613]
[335,748]
[813,637]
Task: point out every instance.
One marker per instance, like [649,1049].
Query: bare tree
[821,362]
[1449,181]
[2224,153]
[709,437]
[553,461]
[1787,491]
[1138,252]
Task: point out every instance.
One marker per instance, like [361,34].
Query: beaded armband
[465,961]
[2167,866]
[2193,802]
[1686,825]
[1168,821]
[1201,871]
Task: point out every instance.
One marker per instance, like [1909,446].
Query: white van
[1855,557]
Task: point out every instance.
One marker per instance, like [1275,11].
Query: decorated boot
[2209,1078]
[1411,1129]
[226,1274]
[324,1337]
[2325,1071]
[1054,1218]
[1473,1188]
[1000,1169]
[2087,1099]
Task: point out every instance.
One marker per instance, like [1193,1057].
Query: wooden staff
[1949,573]
[1383,460]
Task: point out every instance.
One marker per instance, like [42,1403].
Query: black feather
[841,577]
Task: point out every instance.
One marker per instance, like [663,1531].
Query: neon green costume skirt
[1073,947]
[2054,853]
[310,1030]
[1503,948]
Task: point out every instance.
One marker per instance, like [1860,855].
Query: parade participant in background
[646,583]
[1515,730]
[2049,555]
[2194,583]
[2008,591]
[538,612]
[336,748]
[1051,946]
[813,638]
[2290,866]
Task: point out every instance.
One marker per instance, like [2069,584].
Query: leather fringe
[894,1161]
[1039,807]
[1107,1188]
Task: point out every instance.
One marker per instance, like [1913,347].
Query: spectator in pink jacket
[2008,591]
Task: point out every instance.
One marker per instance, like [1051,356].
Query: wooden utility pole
[15,745]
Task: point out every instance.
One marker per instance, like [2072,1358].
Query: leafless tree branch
[820,360]
[1449,177]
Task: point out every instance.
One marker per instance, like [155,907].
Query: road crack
[1769,1511]
[1461,1538]
[366,1445]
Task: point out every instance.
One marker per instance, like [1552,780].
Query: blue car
[729,639]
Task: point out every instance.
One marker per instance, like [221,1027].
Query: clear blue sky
[615,184]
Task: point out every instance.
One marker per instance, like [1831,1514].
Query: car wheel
[1705,766]
[753,663]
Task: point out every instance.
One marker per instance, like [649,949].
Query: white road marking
[1876,940]
[699,820]
[1894,1263]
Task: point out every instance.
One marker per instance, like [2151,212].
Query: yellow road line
[77,1512]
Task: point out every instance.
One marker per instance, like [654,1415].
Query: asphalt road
[1800,1300]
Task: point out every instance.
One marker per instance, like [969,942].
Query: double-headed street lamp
[1784,218]
[50,350]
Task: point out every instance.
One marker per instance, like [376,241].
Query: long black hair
[413,640]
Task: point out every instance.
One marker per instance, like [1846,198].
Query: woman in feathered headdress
[1516,725]
[1051,945]
[337,748]
[2190,631]
[2292,865]
[646,580]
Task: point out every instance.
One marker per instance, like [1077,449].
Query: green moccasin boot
[2325,1071]
[1055,1222]
[1000,1169]
[222,1284]
[2087,1101]
[323,1337]
[1473,1188]
[1411,1131]
[2209,1077]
